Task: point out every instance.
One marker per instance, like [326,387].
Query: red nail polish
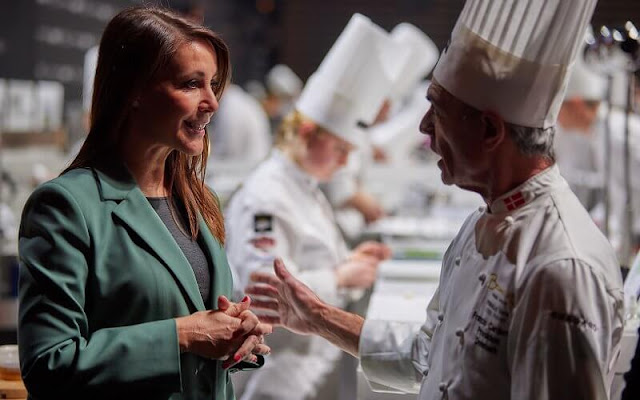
[237,357]
[245,298]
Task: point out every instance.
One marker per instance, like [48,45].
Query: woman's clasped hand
[232,333]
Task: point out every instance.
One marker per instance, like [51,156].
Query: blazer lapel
[136,213]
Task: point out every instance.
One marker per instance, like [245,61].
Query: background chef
[280,211]
[579,133]
[529,304]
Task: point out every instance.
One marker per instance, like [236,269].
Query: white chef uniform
[577,156]
[280,211]
[529,306]
[576,150]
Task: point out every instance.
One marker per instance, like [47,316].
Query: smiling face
[456,136]
[174,110]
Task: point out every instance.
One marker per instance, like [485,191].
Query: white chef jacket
[529,306]
[280,212]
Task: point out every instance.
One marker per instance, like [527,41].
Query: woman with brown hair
[124,280]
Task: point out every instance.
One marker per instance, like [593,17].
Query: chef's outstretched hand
[293,305]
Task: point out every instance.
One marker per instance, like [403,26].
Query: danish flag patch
[514,201]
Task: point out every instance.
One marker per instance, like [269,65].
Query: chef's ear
[306,129]
[495,130]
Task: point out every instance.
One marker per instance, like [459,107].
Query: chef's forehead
[440,97]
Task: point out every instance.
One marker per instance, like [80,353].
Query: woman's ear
[495,130]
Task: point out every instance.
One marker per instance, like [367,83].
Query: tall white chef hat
[424,55]
[513,56]
[585,83]
[282,81]
[354,79]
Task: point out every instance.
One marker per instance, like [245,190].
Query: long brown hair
[136,45]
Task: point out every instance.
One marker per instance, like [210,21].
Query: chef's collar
[527,192]
[295,170]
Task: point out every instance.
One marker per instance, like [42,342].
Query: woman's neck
[146,165]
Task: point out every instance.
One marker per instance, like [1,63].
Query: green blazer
[101,280]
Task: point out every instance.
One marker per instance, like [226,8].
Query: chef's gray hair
[533,141]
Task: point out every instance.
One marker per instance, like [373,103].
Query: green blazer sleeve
[59,352]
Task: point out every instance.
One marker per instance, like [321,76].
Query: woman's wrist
[183,333]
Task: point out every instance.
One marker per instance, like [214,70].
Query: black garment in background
[191,248]
[632,378]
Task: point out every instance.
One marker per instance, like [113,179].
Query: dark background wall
[46,39]
[309,28]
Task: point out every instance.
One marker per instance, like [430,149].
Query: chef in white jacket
[529,304]
[280,211]
[579,133]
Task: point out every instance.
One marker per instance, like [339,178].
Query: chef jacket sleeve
[564,334]
[395,354]
[256,250]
